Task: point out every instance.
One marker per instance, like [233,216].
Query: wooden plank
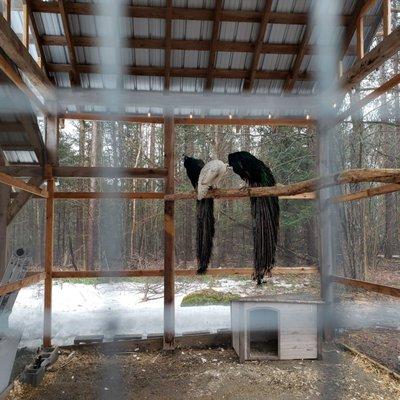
[7,10]
[11,127]
[213,51]
[372,60]
[17,183]
[25,25]
[248,85]
[340,178]
[168,39]
[108,172]
[169,235]
[181,44]
[369,286]
[175,72]
[74,76]
[109,195]
[387,17]
[48,263]
[376,191]
[17,285]
[4,201]
[183,13]
[180,272]
[85,172]
[52,138]
[22,197]
[355,108]
[13,75]
[287,121]
[16,51]
[360,38]
[295,72]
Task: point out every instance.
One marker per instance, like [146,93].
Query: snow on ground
[109,309]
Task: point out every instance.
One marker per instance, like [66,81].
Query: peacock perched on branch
[205,216]
[264,211]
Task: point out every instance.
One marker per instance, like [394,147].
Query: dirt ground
[208,374]
[382,345]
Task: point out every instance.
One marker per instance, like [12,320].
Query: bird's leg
[244,188]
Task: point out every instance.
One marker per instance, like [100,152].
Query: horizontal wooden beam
[11,127]
[369,286]
[109,195]
[19,184]
[384,88]
[310,185]
[363,194]
[175,72]
[371,60]
[179,13]
[176,44]
[235,121]
[84,172]
[16,51]
[25,282]
[108,172]
[180,272]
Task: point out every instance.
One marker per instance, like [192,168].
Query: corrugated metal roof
[153,28]
[25,157]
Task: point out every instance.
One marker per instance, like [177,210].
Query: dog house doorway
[263,333]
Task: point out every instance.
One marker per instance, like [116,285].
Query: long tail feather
[205,233]
[265,215]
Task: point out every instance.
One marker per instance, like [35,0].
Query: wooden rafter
[16,51]
[295,71]
[168,39]
[20,200]
[359,9]
[19,184]
[74,76]
[372,60]
[37,39]
[248,85]
[25,24]
[175,72]
[213,46]
[286,121]
[179,44]
[182,13]
[387,17]
[7,9]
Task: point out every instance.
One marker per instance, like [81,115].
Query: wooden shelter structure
[63,62]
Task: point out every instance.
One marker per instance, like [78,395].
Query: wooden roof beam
[74,76]
[213,46]
[176,72]
[168,40]
[292,77]
[19,55]
[248,85]
[182,13]
[176,44]
[371,60]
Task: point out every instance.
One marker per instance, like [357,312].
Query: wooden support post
[48,258]
[360,37]
[52,138]
[169,238]
[4,200]
[387,17]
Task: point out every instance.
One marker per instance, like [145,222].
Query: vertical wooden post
[25,25]
[52,138]
[360,37]
[7,10]
[48,262]
[387,17]
[169,236]
[4,201]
